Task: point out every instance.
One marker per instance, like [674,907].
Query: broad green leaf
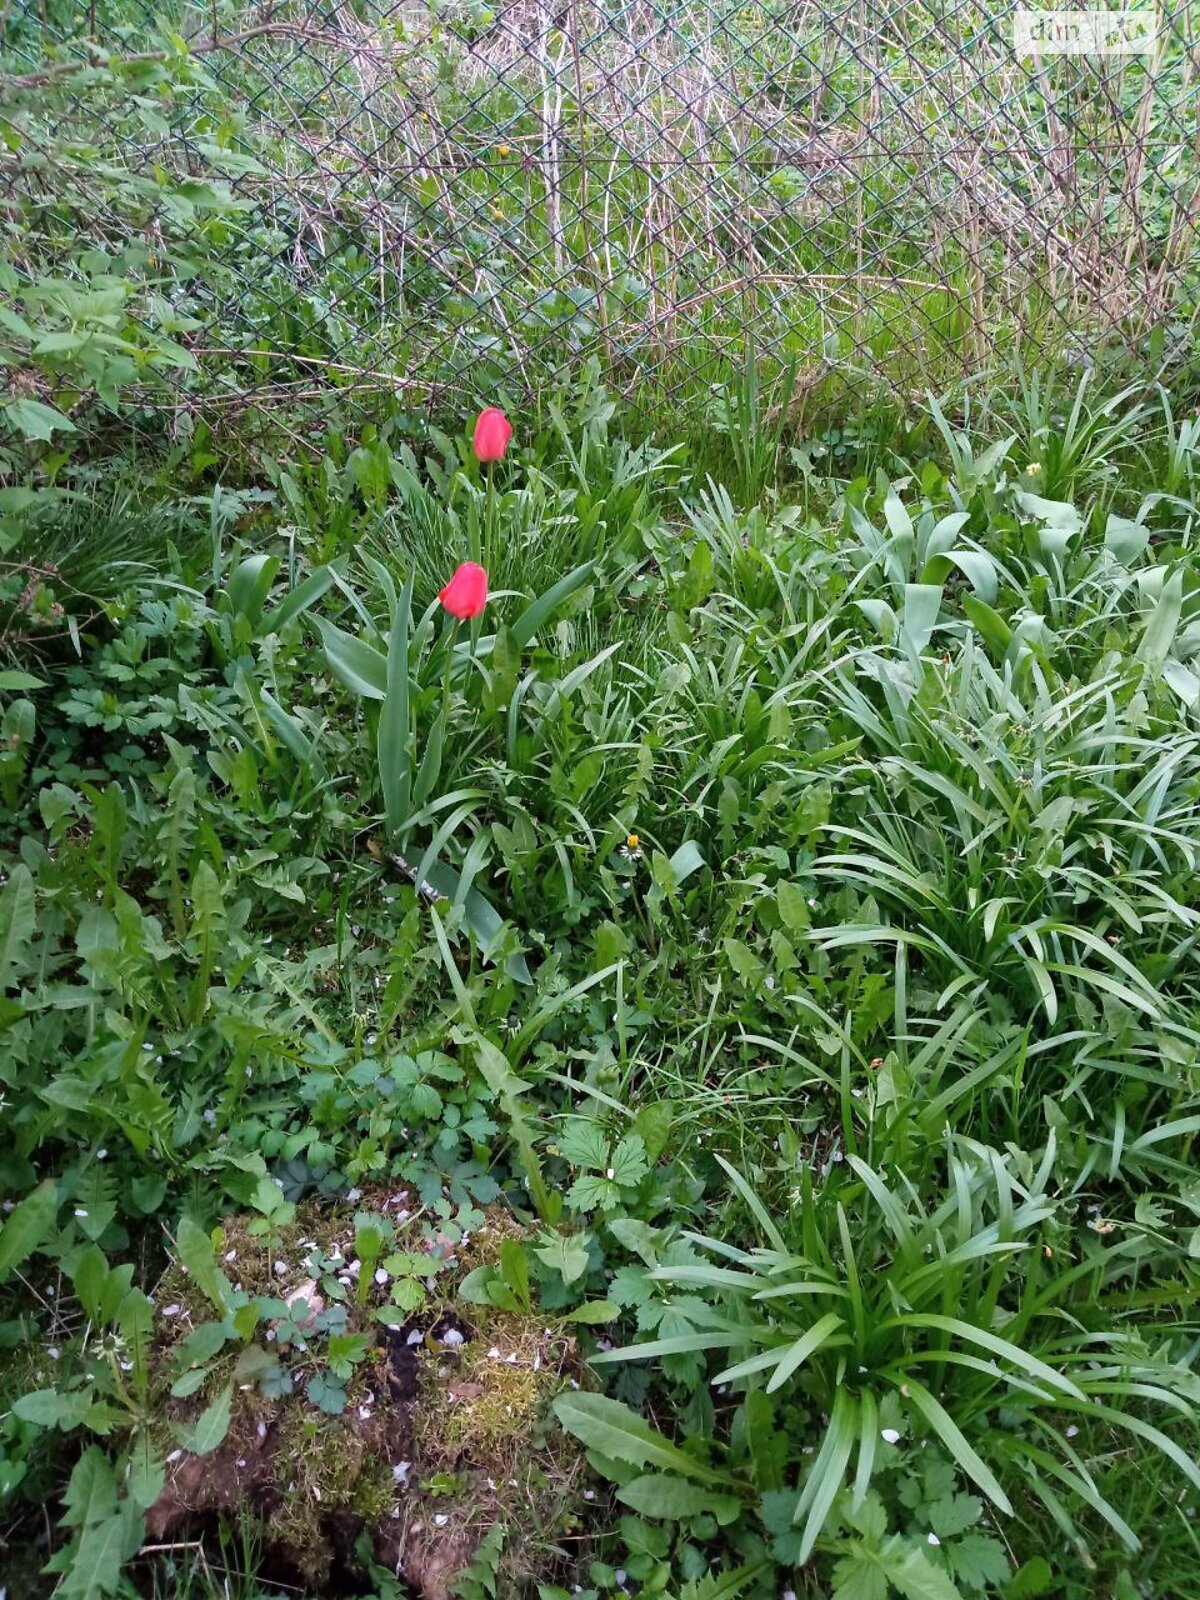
[201,1344]
[990,458]
[49,1408]
[895,514]
[1155,643]
[250,584]
[91,1495]
[494,1064]
[993,628]
[744,962]
[686,860]
[794,910]
[942,536]
[653,1125]
[27,1226]
[104,1547]
[33,419]
[975,565]
[190,1383]
[145,1474]
[881,617]
[1125,539]
[208,1432]
[618,1433]
[922,604]
[629,1164]
[1031,1581]
[13,680]
[354,663]
[18,919]
[980,572]
[196,1254]
[565,1255]
[662,1494]
[595,1311]
[1183,681]
[1057,515]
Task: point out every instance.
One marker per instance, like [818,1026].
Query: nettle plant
[87,319]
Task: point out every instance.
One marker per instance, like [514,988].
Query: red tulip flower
[466,594]
[493,430]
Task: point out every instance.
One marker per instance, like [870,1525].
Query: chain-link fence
[433,194]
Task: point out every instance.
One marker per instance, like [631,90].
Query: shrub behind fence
[443,196]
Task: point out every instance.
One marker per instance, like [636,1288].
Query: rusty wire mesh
[437,195]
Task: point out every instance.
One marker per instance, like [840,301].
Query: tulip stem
[446,690]
[490,525]
[489,539]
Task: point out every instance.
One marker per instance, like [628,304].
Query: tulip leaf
[481,917]
[431,761]
[354,662]
[250,584]
[300,598]
[543,608]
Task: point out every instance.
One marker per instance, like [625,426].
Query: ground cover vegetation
[601,1001]
[673,1072]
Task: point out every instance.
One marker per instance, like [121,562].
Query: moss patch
[386,1408]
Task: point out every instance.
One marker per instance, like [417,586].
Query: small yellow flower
[497,213]
[631,849]
[503,150]
[631,842]
[1034,468]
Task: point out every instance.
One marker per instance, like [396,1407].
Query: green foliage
[478,1580]
[782,900]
